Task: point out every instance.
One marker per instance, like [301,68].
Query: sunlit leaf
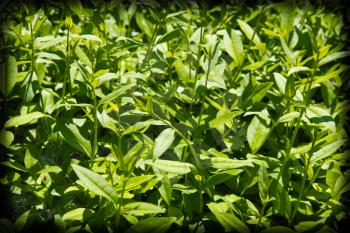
[95,183]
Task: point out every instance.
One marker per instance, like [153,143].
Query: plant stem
[94,142]
[260,215]
[301,193]
[120,203]
[153,38]
[94,110]
[202,13]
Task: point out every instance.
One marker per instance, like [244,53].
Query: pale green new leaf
[163,142]
[298,69]
[24,119]
[257,132]
[234,46]
[289,117]
[227,163]
[135,182]
[49,169]
[78,214]
[280,81]
[171,166]
[6,138]
[91,37]
[249,32]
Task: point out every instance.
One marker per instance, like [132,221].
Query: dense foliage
[177,117]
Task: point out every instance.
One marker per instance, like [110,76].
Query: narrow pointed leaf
[257,132]
[115,94]
[29,118]
[163,142]
[8,75]
[95,183]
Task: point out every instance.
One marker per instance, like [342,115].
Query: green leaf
[282,201]
[29,159]
[327,151]
[142,208]
[290,55]
[163,142]
[224,119]
[258,131]
[169,36]
[53,169]
[222,176]
[288,16]
[105,78]
[132,156]
[280,81]
[227,163]
[171,166]
[95,183]
[234,46]
[71,134]
[145,25]
[22,220]
[50,56]
[228,220]
[141,126]
[332,57]
[134,182]
[6,138]
[82,56]
[289,117]
[255,65]
[186,189]
[29,118]
[78,214]
[308,225]
[298,69]
[59,224]
[152,225]
[260,91]
[115,94]
[165,189]
[91,37]
[183,71]
[8,75]
[248,31]
[263,180]
[46,42]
